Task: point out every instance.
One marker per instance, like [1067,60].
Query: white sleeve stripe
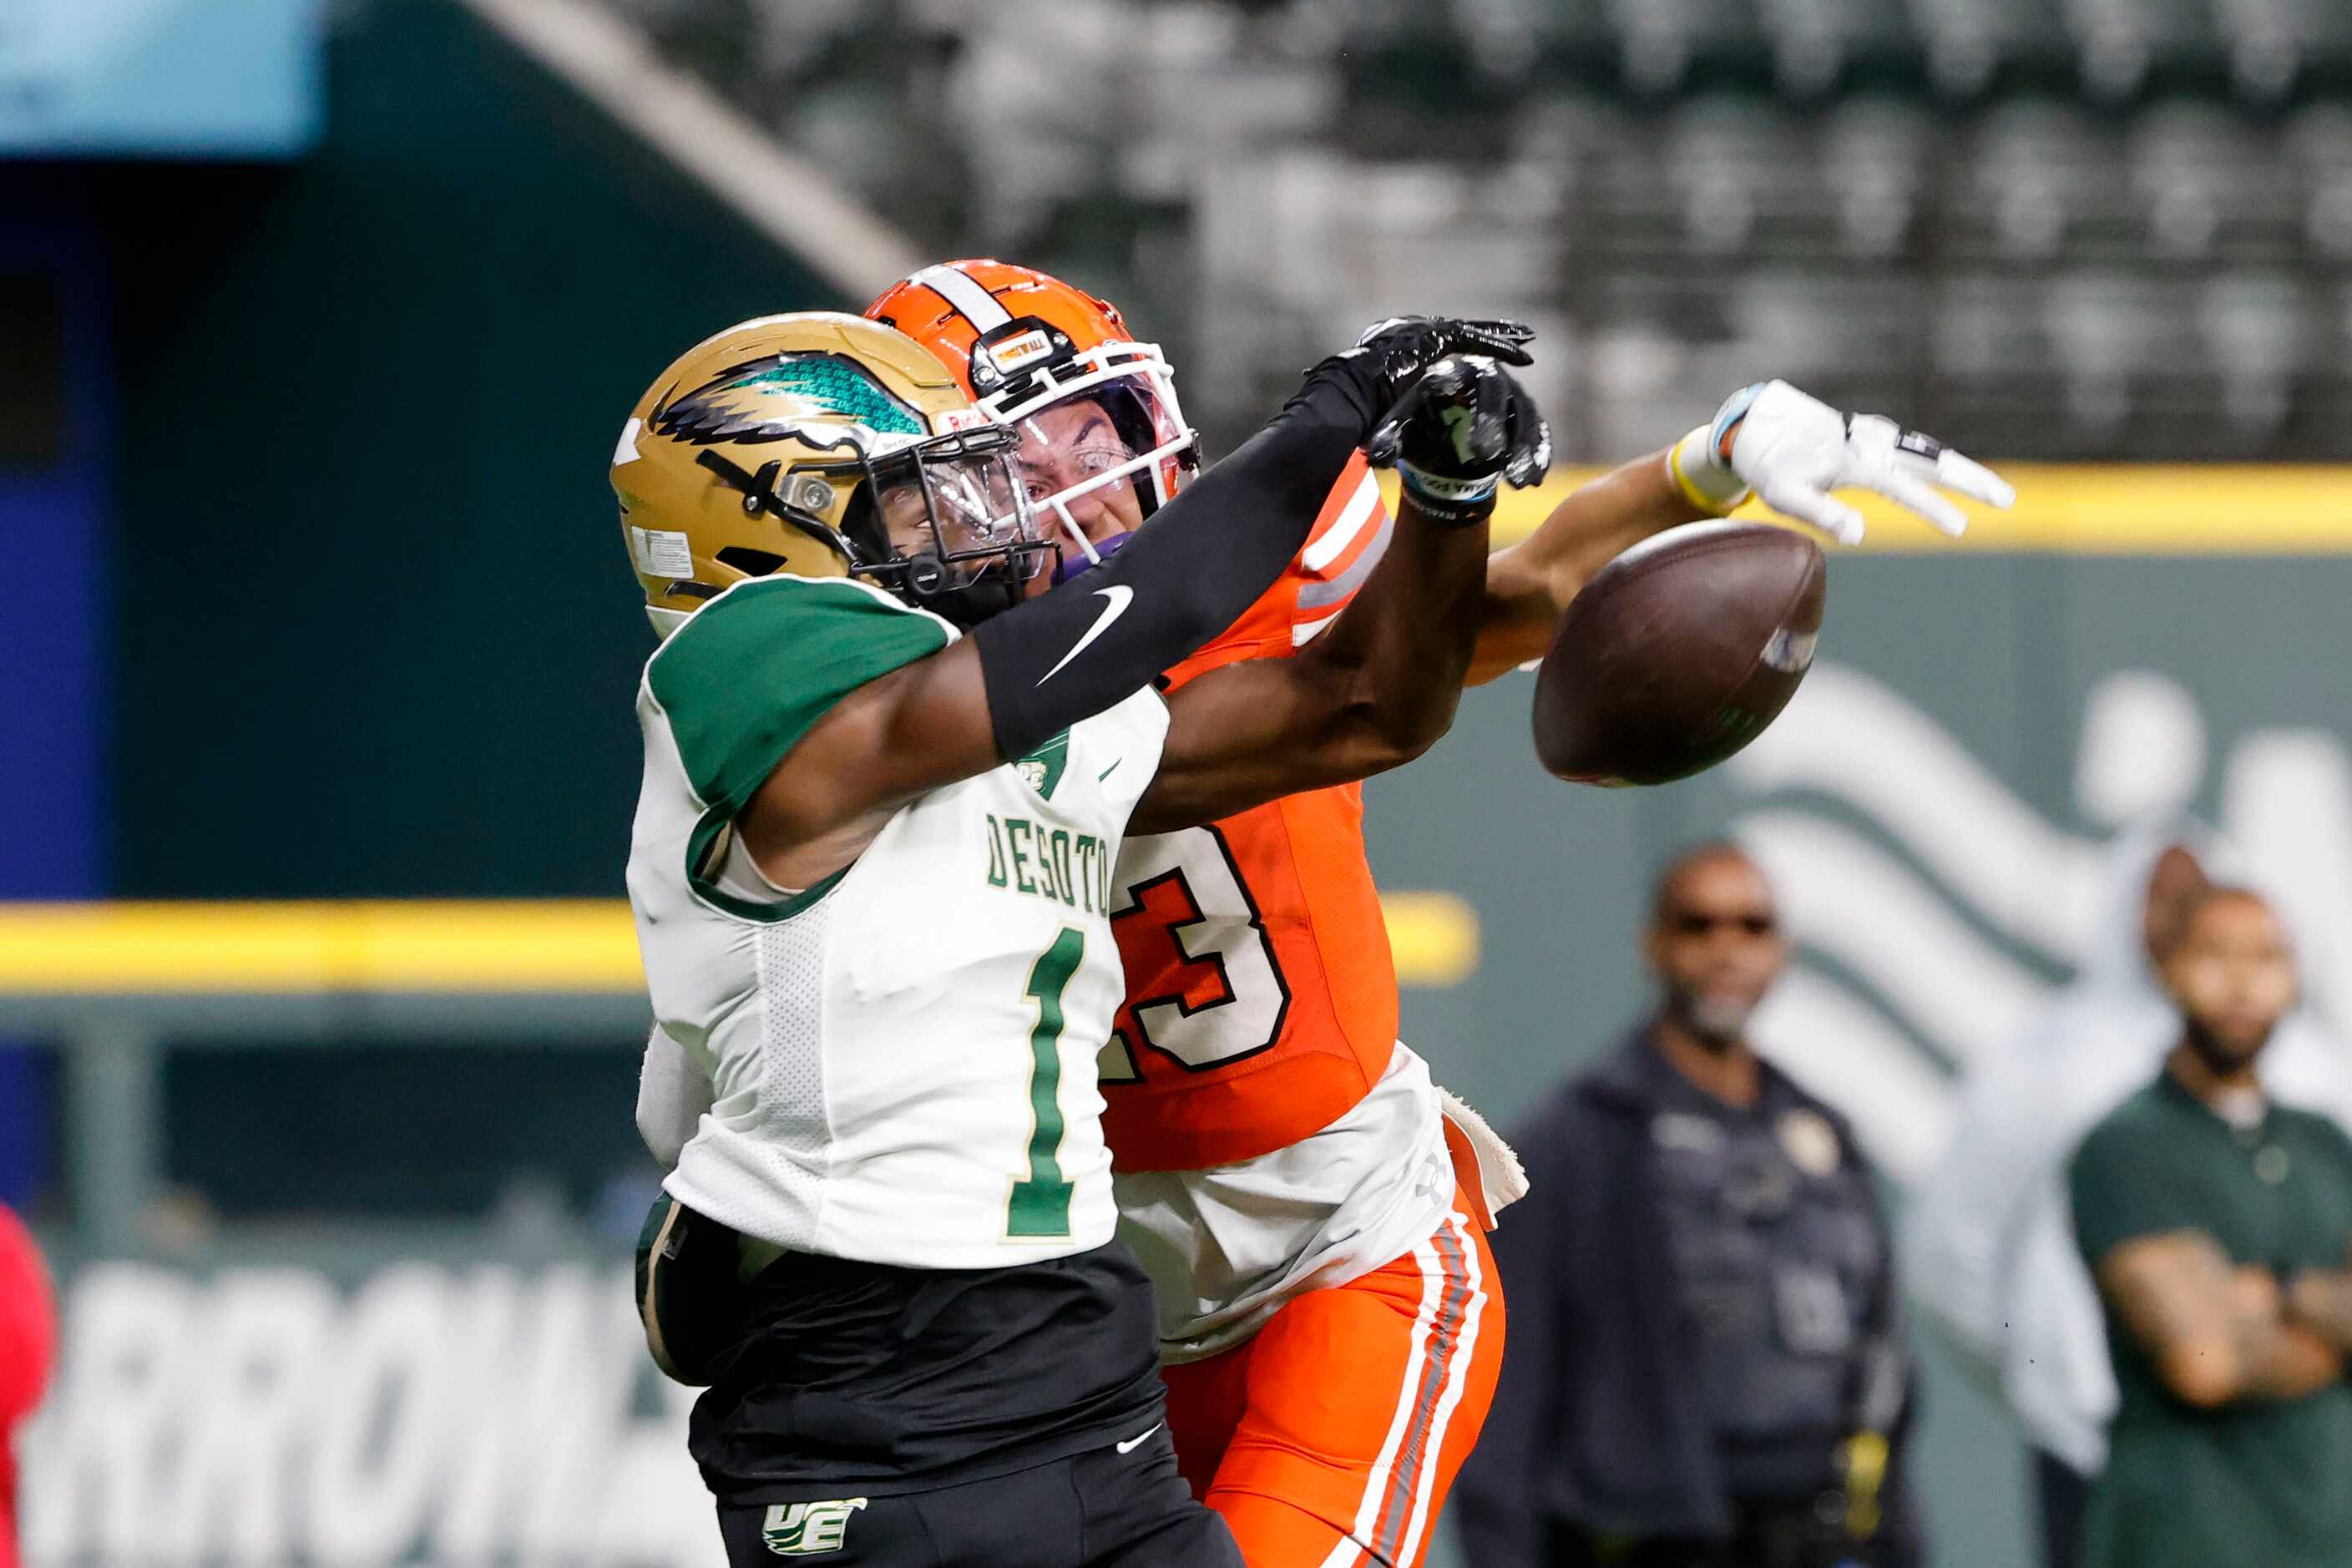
[974,303]
[1322,552]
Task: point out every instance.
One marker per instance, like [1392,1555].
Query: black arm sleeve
[1188,574]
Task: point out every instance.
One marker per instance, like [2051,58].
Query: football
[1678,653]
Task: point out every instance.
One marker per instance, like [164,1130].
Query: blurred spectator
[1990,1251]
[1704,1367]
[27,1339]
[2220,1228]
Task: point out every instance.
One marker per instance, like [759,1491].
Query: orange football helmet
[1023,342]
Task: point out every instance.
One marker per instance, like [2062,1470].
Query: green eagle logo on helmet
[784,395]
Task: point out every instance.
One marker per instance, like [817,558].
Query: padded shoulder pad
[754,670]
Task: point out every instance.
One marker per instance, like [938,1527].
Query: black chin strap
[759,495]
[759,489]
[927,582]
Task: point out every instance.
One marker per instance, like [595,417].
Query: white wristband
[1458,502]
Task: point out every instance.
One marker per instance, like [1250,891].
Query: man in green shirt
[2219,1230]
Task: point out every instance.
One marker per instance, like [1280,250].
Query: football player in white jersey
[887,775]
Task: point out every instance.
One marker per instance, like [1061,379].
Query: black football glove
[1459,430]
[1402,347]
[1391,355]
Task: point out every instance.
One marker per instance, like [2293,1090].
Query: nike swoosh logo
[1133,1444]
[1108,771]
[1119,597]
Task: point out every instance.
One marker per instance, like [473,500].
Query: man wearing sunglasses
[1705,1368]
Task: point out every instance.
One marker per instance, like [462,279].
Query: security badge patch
[1808,1140]
[807,1528]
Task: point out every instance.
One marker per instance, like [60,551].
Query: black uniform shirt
[1775,1244]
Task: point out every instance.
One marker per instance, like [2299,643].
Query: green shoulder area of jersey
[752,671]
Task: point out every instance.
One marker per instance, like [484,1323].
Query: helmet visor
[954,511]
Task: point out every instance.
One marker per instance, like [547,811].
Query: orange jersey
[1261,995]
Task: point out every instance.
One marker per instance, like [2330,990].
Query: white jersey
[901,1057]
[1226,1248]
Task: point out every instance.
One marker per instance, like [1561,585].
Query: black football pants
[1102,1509]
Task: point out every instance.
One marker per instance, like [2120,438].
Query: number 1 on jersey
[1041,1202]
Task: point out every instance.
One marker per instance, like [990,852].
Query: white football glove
[1793,449]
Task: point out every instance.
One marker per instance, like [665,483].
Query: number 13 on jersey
[1204,987]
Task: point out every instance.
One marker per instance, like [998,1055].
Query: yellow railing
[455,947]
[2089,508]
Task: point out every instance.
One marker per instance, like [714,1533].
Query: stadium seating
[2051,227]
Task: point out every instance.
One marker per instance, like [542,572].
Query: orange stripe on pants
[1330,1438]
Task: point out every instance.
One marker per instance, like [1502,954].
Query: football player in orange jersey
[1312,1207]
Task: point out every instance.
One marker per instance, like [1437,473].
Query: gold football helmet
[822,445]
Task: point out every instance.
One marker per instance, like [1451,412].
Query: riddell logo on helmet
[951,419]
[1013,352]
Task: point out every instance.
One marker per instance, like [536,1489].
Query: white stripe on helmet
[974,303]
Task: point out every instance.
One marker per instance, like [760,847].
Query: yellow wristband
[1703,482]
